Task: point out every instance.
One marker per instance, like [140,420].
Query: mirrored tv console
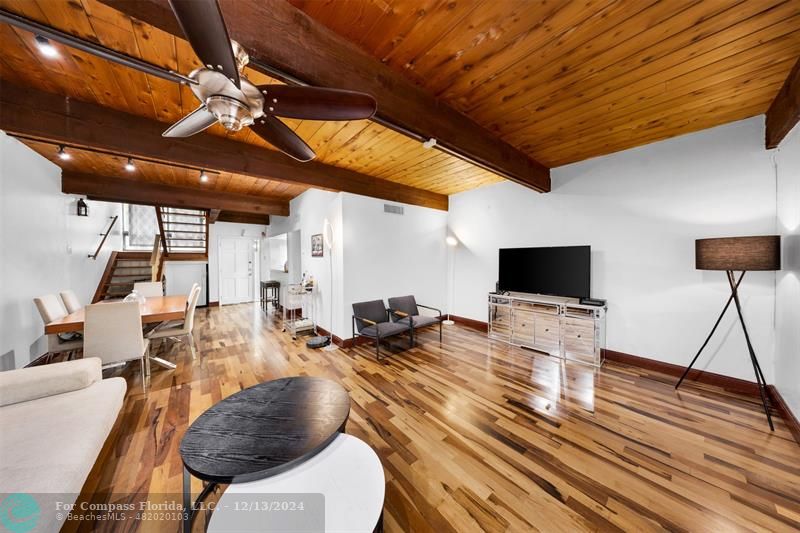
[560,327]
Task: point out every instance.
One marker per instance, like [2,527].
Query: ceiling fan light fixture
[63,154]
[46,49]
[230,112]
[129,166]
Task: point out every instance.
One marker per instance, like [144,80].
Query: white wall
[230,229]
[308,213]
[641,211]
[380,254]
[389,255]
[45,247]
[787,339]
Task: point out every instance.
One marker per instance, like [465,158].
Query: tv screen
[557,270]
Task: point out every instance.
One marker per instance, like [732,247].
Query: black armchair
[371,319]
[405,310]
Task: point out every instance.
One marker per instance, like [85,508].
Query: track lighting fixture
[63,154]
[44,46]
[203,176]
[129,166]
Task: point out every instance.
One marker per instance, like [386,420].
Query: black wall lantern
[83,209]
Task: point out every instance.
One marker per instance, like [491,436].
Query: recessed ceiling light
[63,154]
[129,166]
[203,176]
[46,49]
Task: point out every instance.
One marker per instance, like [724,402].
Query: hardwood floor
[476,435]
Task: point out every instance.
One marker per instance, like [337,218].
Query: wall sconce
[83,209]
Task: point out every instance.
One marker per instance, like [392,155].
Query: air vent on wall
[394,209]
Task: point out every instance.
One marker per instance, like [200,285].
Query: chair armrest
[431,308]
[36,382]
[365,320]
[398,313]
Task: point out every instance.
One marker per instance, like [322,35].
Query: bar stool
[270,294]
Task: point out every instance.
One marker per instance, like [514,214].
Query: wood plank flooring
[475,435]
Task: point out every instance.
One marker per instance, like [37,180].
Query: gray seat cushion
[384,329]
[420,321]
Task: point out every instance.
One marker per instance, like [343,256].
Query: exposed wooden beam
[243,218]
[113,189]
[308,51]
[57,118]
[213,215]
[784,112]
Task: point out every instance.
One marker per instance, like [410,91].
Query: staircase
[184,230]
[126,268]
[122,271]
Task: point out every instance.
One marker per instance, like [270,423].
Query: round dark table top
[265,429]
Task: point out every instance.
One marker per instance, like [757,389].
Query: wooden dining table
[155,309]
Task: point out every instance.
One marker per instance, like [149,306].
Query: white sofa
[54,420]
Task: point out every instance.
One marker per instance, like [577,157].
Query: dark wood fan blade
[316,103]
[280,136]
[204,27]
[194,122]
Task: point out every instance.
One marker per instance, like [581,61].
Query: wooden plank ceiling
[357,145]
[566,80]
[562,80]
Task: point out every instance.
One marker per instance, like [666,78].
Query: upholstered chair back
[49,308]
[405,304]
[374,310]
[149,289]
[70,300]
[191,306]
[113,332]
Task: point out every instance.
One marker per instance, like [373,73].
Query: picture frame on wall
[316,245]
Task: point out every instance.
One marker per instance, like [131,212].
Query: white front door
[236,272]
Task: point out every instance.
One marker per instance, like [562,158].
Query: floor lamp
[452,242]
[328,237]
[738,254]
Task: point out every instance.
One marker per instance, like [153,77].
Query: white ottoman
[347,473]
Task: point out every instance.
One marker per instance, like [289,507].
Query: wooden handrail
[156,259]
[105,236]
[161,229]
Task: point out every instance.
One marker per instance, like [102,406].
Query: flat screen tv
[556,270]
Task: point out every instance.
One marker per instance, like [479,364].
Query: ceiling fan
[227,96]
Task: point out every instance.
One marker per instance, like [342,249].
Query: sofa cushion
[27,384]
[50,445]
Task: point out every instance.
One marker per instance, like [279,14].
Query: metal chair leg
[144,374]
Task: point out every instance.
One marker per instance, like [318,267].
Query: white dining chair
[149,289]
[113,332]
[50,309]
[182,331]
[70,300]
